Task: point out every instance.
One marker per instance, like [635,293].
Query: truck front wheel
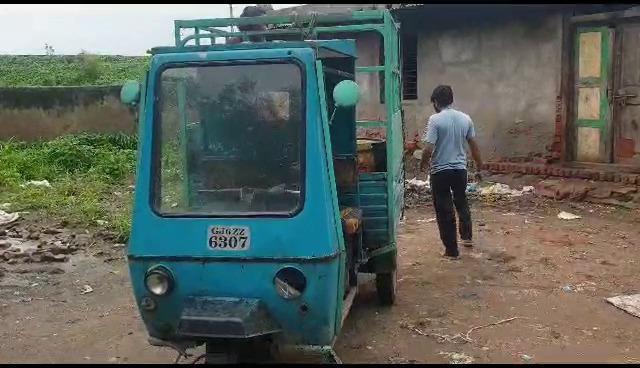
[386,287]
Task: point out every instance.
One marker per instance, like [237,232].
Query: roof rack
[306,26]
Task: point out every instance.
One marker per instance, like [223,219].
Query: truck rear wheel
[386,287]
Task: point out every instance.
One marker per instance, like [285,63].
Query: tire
[221,358]
[386,287]
[217,354]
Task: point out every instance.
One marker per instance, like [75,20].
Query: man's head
[441,97]
[253,11]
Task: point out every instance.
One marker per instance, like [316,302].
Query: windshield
[229,140]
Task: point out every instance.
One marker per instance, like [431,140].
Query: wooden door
[592,113]
[626,96]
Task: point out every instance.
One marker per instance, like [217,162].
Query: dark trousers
[443,183]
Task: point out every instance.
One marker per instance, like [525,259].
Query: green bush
[85,171]
[70,70]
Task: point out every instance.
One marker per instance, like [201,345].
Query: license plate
[229,238]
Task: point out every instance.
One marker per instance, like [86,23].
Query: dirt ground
[542,281]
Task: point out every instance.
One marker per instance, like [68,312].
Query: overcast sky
[122,29]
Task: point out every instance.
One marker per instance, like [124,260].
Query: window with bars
[409,45]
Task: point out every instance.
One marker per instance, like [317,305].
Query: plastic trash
[418,183]
[503,189]
[457,358]
[38,183]
[7,218]
[568,216]
[628,303]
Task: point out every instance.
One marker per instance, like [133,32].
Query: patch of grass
[89,176]
[70,70]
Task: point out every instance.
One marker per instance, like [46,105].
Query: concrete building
[542,82]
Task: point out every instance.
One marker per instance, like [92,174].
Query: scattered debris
[525,357]
[463,337]
[586,285]
[86,289]
[439,337]
[490,324]
[416,191]
[38,183]
[568,216]
[458,358]
[568,289]
[503,189]
[101,222]
[401,360]
[628,303]
[7,218]
[42,269]
[415,182]
[427,220]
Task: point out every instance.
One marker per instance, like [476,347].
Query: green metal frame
[309,27]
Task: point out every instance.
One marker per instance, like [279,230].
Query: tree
[49,50]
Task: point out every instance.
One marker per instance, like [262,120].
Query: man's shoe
[449,256]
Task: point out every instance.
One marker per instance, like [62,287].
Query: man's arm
[475,153]
[427,151]
[429,138]
[475,150]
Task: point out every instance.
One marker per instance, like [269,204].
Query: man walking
[445,136]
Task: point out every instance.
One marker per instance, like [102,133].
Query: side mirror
[130,93]
[346,93]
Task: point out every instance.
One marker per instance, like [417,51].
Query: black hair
[253,11]
[442,96]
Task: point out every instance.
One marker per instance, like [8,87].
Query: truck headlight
[290,283]
[158,281]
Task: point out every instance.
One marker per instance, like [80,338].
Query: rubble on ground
[28,243]
[419,191]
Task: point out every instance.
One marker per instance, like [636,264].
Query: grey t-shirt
[448,131]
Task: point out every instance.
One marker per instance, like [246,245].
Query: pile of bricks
[532,168]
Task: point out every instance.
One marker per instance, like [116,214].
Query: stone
[35,258]
[625,190]
[34,235]
[11,254]
[81,240]
[601,192]
[50,257]
[61,249]
[5,244]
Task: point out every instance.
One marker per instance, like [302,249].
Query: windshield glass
[229,140]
